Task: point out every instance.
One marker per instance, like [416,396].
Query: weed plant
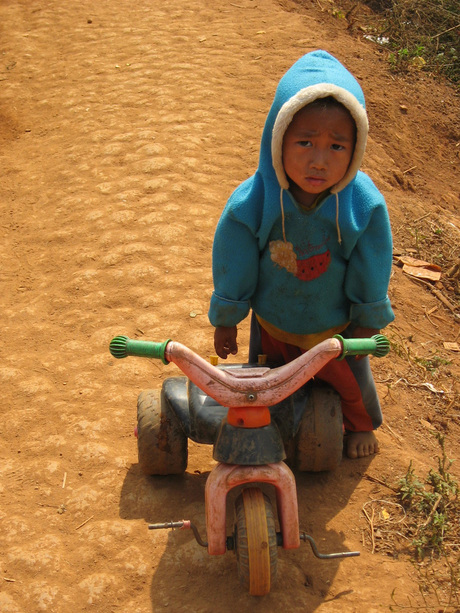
[432,507]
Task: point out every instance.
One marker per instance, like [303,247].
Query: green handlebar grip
[122,346]
[378,345]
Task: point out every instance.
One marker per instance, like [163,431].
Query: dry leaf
[410,261]
[421,273]
[451,346]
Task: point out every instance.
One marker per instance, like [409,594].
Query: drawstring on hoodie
[339,235]
[282,215]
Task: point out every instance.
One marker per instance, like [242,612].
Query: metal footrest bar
[181,525]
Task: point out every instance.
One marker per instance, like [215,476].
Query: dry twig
[84,523]
[376,480]
[371,526]
[432,512]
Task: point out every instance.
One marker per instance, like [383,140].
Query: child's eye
[337,147]
[305,143]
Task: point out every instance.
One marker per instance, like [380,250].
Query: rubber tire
[161,442]
[255,541]
[319,439]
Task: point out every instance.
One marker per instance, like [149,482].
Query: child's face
[317,149]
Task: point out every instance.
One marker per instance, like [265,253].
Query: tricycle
[263,423]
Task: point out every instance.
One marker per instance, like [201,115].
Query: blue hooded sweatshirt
[304,272]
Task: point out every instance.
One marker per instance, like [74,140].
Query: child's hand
[225,341]
[364,333]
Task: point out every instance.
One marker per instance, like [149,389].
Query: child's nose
[318,161]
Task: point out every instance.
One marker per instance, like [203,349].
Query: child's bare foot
[361,444]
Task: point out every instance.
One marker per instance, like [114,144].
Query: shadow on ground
[200,580]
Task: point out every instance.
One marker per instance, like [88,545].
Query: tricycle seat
[199,414]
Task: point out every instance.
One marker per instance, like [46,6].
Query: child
[306,241]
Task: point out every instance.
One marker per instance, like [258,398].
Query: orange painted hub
[248,417]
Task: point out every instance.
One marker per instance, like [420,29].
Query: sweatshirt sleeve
[235,268]
[368,273]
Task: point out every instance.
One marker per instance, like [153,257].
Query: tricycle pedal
[184,524]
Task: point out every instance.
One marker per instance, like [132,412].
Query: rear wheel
[161,442]
[319,440]
[255,540]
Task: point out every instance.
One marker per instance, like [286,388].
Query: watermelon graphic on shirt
[313,267]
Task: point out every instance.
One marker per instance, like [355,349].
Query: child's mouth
[316,181]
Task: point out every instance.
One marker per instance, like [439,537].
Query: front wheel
[255,541]
[161,442]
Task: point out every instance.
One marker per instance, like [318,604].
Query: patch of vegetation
[421,519]
[419,34]
[401,347]
[428,528]
[432,507]
[433,363]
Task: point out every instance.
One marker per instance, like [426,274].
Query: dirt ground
[124,126]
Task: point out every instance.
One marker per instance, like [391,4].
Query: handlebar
[242,387]
[122,347]
[378,346]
